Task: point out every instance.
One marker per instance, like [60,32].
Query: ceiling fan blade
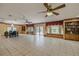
[46,15]
[61,6]
[46,5]
[55,13]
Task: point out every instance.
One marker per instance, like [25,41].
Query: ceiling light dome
[49,13]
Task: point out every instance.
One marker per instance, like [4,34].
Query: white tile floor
[38,46]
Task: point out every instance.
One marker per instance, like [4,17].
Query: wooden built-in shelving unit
[71,29]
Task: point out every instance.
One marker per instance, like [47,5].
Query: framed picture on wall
[23,28]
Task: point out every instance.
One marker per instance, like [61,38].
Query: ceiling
[31,12]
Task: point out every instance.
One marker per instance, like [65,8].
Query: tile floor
[35,45]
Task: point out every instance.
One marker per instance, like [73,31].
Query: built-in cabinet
[71,29]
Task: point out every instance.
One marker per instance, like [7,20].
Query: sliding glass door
[39,30]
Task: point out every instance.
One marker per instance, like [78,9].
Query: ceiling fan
[26,20]
[23,17]
[50,10]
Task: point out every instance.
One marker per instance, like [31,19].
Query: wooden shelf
[71,29]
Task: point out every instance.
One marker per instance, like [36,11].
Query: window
[30,29]
[55,29]
[49,29]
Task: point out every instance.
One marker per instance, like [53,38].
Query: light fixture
[49,13]
[9,15]
[12,25]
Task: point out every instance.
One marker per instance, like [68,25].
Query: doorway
[39,30]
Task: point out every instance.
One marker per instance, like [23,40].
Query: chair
[6,34]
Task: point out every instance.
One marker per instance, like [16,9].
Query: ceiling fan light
[49,13]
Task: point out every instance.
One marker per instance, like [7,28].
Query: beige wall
[3,28]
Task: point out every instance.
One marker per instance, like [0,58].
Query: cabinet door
[77,37]
[67,36]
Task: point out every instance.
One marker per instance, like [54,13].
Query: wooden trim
[10,24]
[74,20]
[71,18]
[54,35]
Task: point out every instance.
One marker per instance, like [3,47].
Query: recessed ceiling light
[10,15]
